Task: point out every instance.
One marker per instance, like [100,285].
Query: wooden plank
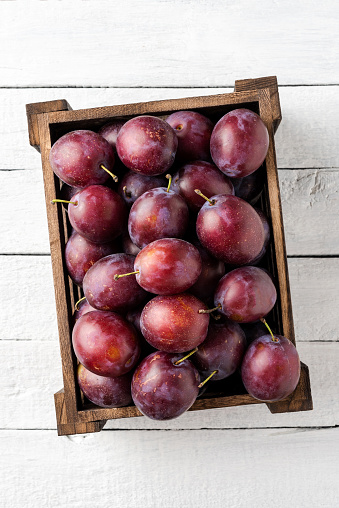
[155,43]
[309,201]
[306,137]
[32,374]
[277,249]
[270,82]
[188,468]
[26,287]
[64,298]
[310,207]
[32,110]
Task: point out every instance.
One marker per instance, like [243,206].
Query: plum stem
[115,178]
[77,304]
[269,329]
[211,201]
[207,379]
[169,177]
[126,192]
[63,201]
[208,311]
[118,276]
[185,357]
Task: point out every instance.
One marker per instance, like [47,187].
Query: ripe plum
[111,130]
[99,213]
[105,391]
[105,293]
[173,323]
[204,176]
[271,368]
[133,185]
[230,229]
[105,343]
[194,133]
[158,213]
[239,143]
[245,294]
[168,266]
[146,144]
[81,254]
[162,390]
[222,350]
[78,156]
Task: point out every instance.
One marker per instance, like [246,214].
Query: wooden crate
[47,121]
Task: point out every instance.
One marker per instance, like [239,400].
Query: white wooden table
[103,53]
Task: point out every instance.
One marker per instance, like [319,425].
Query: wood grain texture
[309,201]
[272,199]
[32,374]
[269,82]
[308,136]
[64,297]
[32,110]
[27,298]
[172,469]
[168,42]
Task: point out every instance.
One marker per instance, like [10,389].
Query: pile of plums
[167,260]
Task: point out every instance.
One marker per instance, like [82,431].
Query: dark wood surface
[269,82]
[45,127]
[32,110]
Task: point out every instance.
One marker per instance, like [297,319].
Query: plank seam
[302,428]
[181,87]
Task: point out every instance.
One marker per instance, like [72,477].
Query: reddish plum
[271,368]
[111,130]
[239,143]
[134,316]
[162,390]
[222,350]
[211,272]
[194,133]
[203,176]
[168,266]
[230,229]
[98,213]
[82,308]
[158,213]
[133,185]
[78,156]
[105,391]
[81,254]
[267,236]
[128,246]
[105,343]
[245,294]
[105,293]
[250,187]
[173,323]
[147,145]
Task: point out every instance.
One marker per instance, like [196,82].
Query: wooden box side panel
[64,294]
[32,112]
[274,206]
[269,82]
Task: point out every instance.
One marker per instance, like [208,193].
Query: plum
[146,144]
[239,143]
